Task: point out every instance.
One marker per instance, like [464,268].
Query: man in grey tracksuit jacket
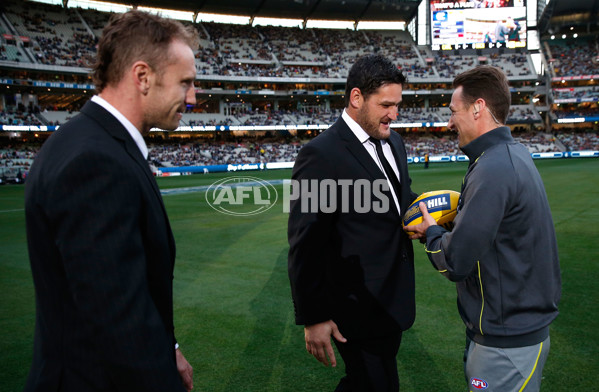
[502,251]
[507,274]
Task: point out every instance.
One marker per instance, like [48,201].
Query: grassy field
[233,312]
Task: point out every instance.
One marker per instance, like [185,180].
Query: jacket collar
[115,128]
[133,131]
[500,135]
[356,148]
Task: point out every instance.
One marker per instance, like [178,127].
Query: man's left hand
[185,370]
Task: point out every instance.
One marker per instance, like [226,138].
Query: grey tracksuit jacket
[502,251]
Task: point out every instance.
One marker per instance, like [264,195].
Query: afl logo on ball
[478,383]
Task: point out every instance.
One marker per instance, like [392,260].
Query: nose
[393,114]
[190,97]
[450,124]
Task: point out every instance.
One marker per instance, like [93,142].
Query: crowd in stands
[208,121]
[18,118]
[209,61]
[293,44]
[18,154]
[80,50]
[199,152]
[420,144]
[582,93]
[537,142]
[260,117]
[418,114]
[96,20]
[569,111]
[309,116]
[20,115]
[517,114]
[202,153]
[68,37]
[206,153]
[449,66]
[574,57]
[56,36]
[524,114]
[514,64]
[9,52]
[314,116]
[407,114]
[579,141]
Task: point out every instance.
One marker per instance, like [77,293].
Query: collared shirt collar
[364,138]
[475,148]
[355,127]
[133,131]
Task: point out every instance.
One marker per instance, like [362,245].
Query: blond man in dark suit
[101,249]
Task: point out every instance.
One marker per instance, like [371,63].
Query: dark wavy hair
[489,83]
[134,36]
[371,72]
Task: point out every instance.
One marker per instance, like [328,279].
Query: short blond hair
[137,36]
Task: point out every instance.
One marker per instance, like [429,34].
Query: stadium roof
[556,8]
[344,10]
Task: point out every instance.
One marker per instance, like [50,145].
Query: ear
[478,105]
[142,76]
[355,98]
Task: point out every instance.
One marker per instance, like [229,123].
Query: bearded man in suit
[351,266]
[100,245]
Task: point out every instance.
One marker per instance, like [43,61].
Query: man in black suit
[100,245]
[350,263]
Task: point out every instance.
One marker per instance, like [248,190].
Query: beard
[372,126]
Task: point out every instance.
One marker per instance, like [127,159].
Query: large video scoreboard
[478,24]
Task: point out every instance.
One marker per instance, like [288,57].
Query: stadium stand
[579,141]
[57,36]
[20,115]
[18,153]
[267,75]
[584,94]
[199,152]
[574,57]
[514,64]
[68,37]
[196,153]
[56,117]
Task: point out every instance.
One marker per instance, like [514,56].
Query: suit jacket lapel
[118,131]
[364,158]
[114,128]
[358,151]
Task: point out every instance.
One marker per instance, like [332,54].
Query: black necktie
[388,169]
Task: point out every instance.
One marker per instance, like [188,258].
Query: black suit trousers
[370,364]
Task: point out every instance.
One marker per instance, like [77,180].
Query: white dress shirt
[134,132]
[363,137]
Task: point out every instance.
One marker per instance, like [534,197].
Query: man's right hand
[318,341]
[419,230]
